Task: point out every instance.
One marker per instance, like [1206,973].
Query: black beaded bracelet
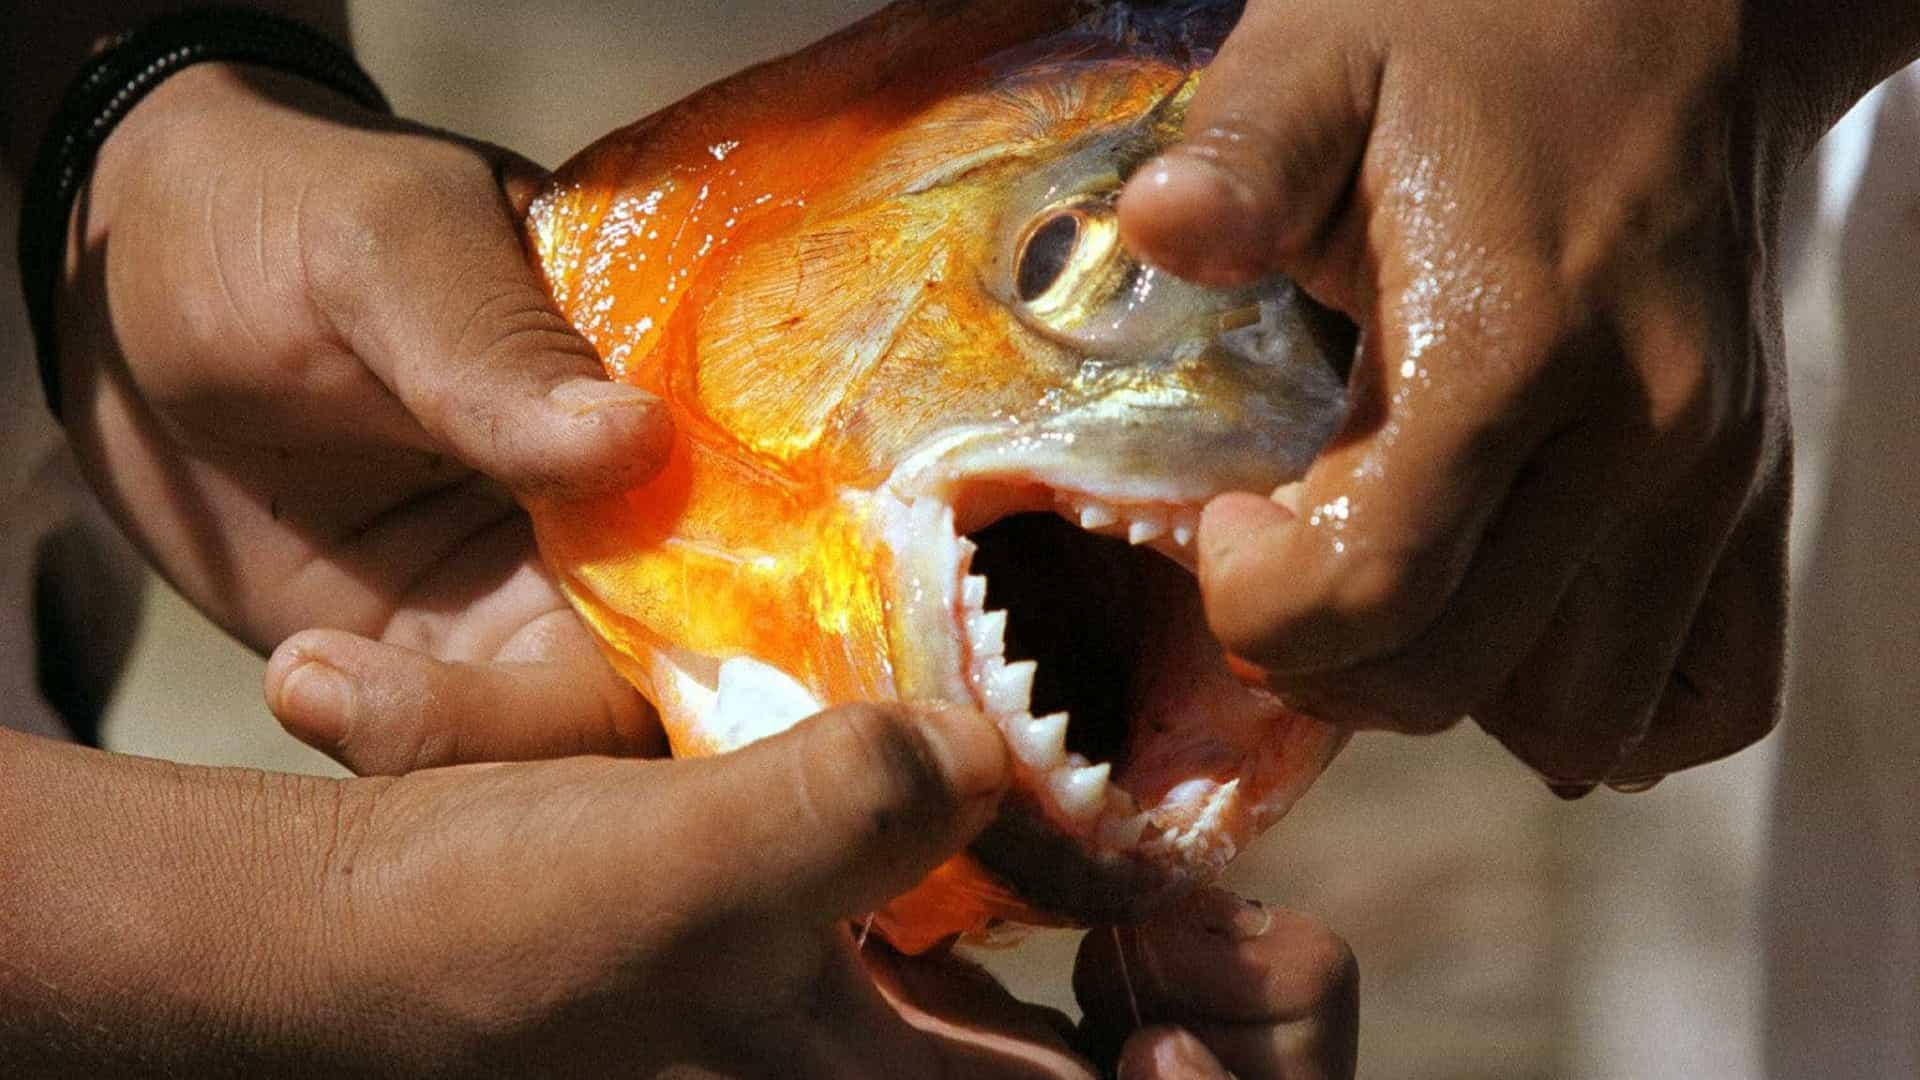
[107,88]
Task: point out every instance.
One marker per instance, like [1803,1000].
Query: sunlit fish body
[941,438]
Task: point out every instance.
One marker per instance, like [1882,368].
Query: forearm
[156,918]
[50,41]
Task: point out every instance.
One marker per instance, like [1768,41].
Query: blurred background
[1501,932]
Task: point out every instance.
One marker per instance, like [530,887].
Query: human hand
[608,915]
[297,341]
[604,915]
[1560,503]
[793,837]
[1220,984]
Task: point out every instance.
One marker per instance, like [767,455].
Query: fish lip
[1119,858]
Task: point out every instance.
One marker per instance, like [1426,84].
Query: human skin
[272,384]
[309,387]
[1561,503]
[571,917]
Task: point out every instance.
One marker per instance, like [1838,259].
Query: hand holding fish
[298,339]
[707,919]
[1560,501]
[591,916]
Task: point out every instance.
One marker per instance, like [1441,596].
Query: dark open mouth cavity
[1078,605]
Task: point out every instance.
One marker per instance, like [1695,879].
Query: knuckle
[1687,403]
[366,212]
[373,214]
[1328,971]
[512,318]
[879,768]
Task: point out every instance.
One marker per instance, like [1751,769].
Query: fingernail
[315,702]
[579,397]
[969,751]
[1225,915]
[1287,496]
[1181,1054]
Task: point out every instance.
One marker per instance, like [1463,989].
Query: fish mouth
[1144,756]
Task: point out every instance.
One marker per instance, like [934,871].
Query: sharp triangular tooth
[930,513]
[1080,793]
[1040,741]
[1183,533]
[1097,515]
[1190,794]
[1142,529]
[1010,689]
[973,591]
[987,633]
[1288,495]
[1121,833]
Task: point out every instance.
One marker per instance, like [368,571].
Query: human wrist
[456,880]
[160,917]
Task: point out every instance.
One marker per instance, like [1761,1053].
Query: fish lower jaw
[1077,793]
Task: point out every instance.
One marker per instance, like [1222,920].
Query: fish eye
[1045,254]
[1069,264]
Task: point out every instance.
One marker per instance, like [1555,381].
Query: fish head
[942,437]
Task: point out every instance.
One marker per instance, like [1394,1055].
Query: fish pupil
[1045,256]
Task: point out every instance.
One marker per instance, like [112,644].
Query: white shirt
[1842,896]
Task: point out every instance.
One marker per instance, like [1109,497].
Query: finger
[1213,957]
[1560,507]
[840,814]
[975,1025]
[1724,693]
[1269,150]
[1584,695]
[436,294]
[1309,1049]
[1259,985]
[1449,400]
[1168,1053]
[385,709]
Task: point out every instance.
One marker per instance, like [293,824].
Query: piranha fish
[942,438]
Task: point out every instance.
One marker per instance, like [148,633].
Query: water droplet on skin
[1634,787]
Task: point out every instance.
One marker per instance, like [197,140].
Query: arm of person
[158,918]
[589,916]
[1560,502]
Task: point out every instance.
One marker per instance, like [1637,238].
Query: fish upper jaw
[986,473]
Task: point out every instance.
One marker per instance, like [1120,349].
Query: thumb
[451,315]
[1274,134]
[842,813]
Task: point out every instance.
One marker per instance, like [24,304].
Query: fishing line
[1126,978]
